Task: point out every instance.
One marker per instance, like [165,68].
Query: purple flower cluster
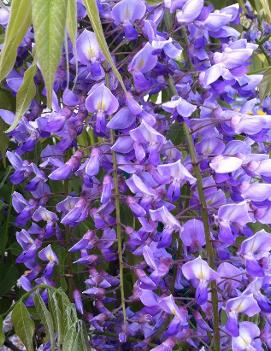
[161,242]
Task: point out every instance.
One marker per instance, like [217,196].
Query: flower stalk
[204,214]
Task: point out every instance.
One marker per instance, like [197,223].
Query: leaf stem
[118,220]
[118,228]
[209,246]
[205,219]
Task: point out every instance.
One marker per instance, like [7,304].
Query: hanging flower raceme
[142,198]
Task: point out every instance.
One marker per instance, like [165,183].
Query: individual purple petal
[230,277]
[148,298]
[122,119]
[146,134]
[78,301]
[183,107]
[87,47]
[163,215]
[248,332]
[235,213]
[47,254]
[193,233]
[93,164]
[132,104]
[128,11]
[137,210]
[42,214]
[18,202]
[85,243]
[225,164]
[107,189]
[7,116]
[202,292]
[66,170]
[198,269]
[177,171]
[211,75]
[190,11]
[124,145]
[52,123]
[136,185]
[255,248]
[15,160]
[256,191]
[246,304]
[101,100]
[70,98]
[144,60]
[4,16]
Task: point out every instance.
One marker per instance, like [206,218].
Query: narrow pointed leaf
[19,22]
[70,338]
[49,20]
[72,21]
[57,315]
[23,325]
[4,141]
[72,29]
[94,16]
[265,85]
[46,319]
[266,9]
[25,95]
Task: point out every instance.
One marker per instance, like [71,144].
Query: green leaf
[94,16]
[49,20]
[68,344]
[19,22]
[265,85]
[46,319]
[57,315]
[2,335]
[266,9]
[72,31]
[25,95]
[23,325]
[72,21]
[76,338]
[4,141]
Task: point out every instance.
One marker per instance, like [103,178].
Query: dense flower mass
[151,206]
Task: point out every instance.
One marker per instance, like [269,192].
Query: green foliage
[4,141]
[20,20]
[265,86]
[60,321]
[46,319]
[72,21]
[71,24]
[23,325]
[49,20]
[25,95]
[7,101]
[266,8]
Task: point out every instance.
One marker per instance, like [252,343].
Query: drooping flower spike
[125,195]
